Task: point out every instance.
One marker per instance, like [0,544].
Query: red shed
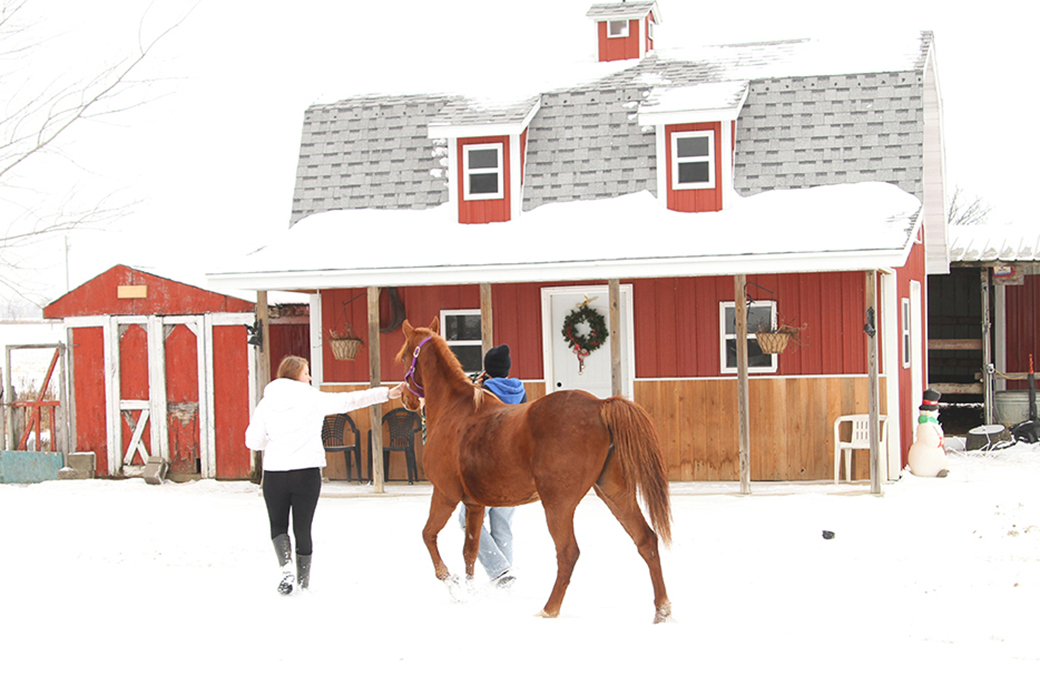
[161,368]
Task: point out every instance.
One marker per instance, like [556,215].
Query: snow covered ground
[122,587]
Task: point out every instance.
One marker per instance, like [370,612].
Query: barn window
[693,159]
[482,170]
[905,333]
[617,28]
[460,328]
[650,25]
[761,314]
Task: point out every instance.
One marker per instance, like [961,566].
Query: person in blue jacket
[496,536]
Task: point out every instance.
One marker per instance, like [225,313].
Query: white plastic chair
[860,439]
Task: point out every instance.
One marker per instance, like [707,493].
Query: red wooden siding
[88,354]
[133,385]
[231,410]
[99,297]
[182,399]
[483,211]
[696,200]
[909,399]
[677,323]
[1022,309]
[622,48]
[288,339]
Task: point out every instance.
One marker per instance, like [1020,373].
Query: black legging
[298,489]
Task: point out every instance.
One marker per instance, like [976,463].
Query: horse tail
[637,452]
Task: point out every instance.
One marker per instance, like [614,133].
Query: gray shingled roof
[801,126]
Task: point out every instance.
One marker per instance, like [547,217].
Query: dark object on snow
[827,535]
[988,438]
[1028,432]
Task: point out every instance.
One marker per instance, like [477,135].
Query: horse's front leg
[471,546]
[441,509]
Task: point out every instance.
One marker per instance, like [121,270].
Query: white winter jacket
[286,424]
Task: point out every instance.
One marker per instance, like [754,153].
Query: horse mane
[454,372]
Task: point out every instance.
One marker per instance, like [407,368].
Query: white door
[563,369]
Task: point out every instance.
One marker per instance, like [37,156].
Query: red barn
[802,178]
[162,368]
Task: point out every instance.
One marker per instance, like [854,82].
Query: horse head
[414,339]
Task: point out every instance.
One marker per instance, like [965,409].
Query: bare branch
[964,211]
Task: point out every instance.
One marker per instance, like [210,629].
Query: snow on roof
[623,10]
[707,97]
[775,231]
[993,243]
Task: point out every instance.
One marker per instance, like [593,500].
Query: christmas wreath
[584,345]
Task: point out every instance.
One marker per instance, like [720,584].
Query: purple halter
[411,370]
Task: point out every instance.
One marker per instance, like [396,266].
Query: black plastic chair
[332,434]
[403,425]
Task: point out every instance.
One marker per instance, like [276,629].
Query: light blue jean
[496,542]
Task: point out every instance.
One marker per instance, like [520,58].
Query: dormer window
[693,159]
[482,172]
[617,29]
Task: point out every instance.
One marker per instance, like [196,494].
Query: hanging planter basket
[772,343]
[345,348]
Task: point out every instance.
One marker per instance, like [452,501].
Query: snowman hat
[931,400]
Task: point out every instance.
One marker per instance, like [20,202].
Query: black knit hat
[497,362]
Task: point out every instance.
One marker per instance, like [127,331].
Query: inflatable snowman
[927,457]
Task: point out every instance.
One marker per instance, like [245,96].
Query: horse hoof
[544,614]
[663,614]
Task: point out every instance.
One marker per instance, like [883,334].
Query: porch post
[987,351]
[614,292]
[263,364]
[487,326]
[374,372]
[873,418]
[743,406]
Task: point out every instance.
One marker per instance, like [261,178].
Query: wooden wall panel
[88,354]
[182,399]
[231,402]
[792,421]
[133,385]
[484,211]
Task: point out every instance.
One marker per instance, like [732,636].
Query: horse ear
[435,325]
[408,330]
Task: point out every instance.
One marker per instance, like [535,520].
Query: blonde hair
[291,367]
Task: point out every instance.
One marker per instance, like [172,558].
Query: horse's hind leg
[621,500]
[561,528]
[441,509]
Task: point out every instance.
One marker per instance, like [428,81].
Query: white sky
[211,159]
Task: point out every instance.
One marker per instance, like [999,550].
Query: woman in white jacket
[286,426]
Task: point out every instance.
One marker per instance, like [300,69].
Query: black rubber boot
[283,549]
[303,571]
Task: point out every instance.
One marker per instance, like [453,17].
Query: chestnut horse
[487,454]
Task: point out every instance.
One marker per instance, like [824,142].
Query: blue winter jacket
[508,389]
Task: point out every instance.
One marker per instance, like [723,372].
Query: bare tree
[963,210]
[37,117]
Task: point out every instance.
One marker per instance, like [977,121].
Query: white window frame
[676,160]
[905,342]
[650,24]
[724,337]
[445,313]
[499,170]
[619,35]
